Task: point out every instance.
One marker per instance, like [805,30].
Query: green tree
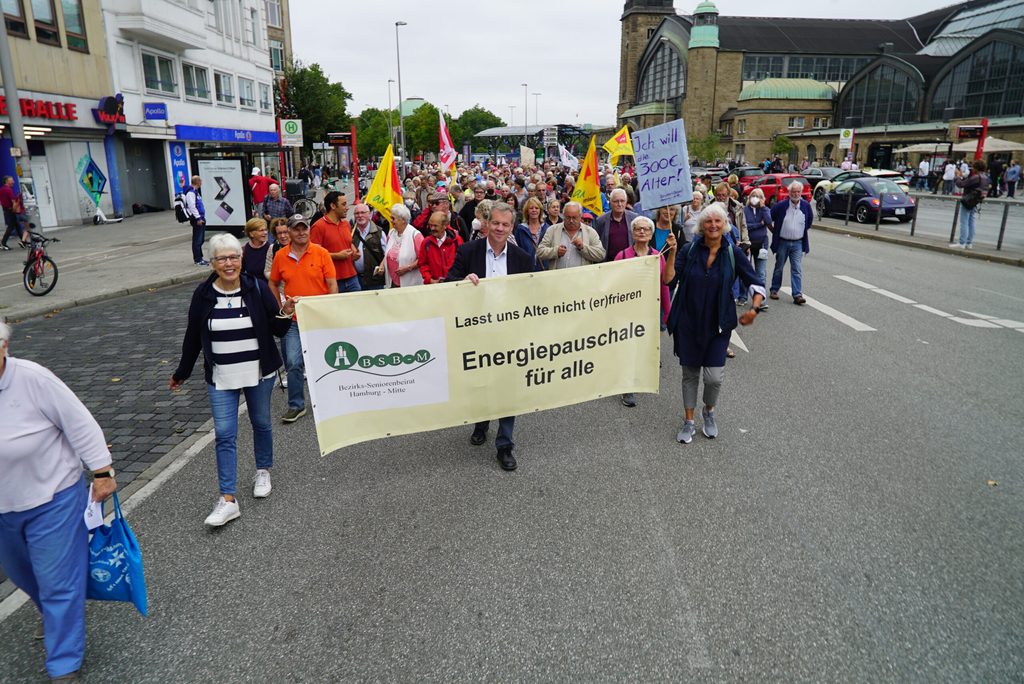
[471,122]
[372,132]
[421,130]
[309,95]
[707,148]
[782,145]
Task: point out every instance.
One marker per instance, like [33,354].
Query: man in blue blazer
[491,257]
[791,222]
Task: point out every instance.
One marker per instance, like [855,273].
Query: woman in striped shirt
[232,320]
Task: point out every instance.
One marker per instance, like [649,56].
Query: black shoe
[478,437]
[5,248]
[763,307]
[506,459]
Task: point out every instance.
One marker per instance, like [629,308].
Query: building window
[986,82]
[727,128]
[74,25]
[197,84]
[822,121]
[46,22]
[796,122]
[884,95]
[273,13]
[222,83]
[741,153]
[650,32]
[277,56]
[246,93]
[251,34]
[741,126]
[817,67]
[159,73]
[14,16]
[664,76]
[265,102]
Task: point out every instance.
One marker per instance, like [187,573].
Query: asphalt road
[860,518]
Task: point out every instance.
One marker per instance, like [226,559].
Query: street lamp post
[391,122]
[401,114]
[526,111]
[511,116]
[536,108]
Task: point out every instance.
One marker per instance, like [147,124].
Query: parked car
[866,196]
[747,174]
[894,176]
[775,187]
[815,174]
[826,185]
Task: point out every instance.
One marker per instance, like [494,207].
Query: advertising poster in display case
[224,193]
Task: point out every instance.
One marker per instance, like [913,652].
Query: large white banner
[663,165]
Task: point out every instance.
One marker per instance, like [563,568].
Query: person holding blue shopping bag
[44,543]
[232,320]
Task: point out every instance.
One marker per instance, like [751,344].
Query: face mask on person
[755,201]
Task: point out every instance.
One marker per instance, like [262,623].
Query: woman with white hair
[232,320]
[643,233]
[703,314]
[401,263]
[48,434]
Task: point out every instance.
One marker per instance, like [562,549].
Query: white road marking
[854,281]
[1007,323]
[925,307]
[974,322]
[838,315]
[893,295]
[977,315]
[735,339]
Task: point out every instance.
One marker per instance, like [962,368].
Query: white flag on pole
[567,159]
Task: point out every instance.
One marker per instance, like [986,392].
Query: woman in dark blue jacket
[232,320]
[703,314]
[530,232]
[759,221]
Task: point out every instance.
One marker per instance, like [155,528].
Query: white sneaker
[955,245]
[224,512]
[969,245]
[261,487]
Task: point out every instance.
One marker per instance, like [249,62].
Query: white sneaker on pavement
[261,487]
[224,512]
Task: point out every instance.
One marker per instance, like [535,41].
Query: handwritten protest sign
[662,165]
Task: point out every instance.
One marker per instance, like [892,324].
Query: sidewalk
[95,263]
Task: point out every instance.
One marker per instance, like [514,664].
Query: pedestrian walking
[530,232]
[401,266]
[370,243]
[12,207]
[703,314]
[232,320]
[305,270]
[493,257]
[791,223]
[48,434]
[275,206]
[759,221]
[196,212]
[572,243]
[974,187]
[255,251]
[1012,177]
[948,176]
[437,250]
[643,232]
[923,169]
[333,232]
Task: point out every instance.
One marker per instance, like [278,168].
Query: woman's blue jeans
[224,404]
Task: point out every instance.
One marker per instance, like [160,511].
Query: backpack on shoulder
[179,208]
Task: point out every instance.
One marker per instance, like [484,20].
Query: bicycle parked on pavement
[40,274]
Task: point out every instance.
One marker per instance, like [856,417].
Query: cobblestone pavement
[116,356]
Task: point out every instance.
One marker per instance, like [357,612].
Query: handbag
[115,564]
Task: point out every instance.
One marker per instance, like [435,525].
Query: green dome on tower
[705,26]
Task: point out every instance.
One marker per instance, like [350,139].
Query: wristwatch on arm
[109,472]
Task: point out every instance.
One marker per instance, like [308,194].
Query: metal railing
[1003,203]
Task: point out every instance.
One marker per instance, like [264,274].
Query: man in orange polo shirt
[333,233]
[306,270]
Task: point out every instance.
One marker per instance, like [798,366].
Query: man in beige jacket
[571,242]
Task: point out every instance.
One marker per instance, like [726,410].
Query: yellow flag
[588,186]
[618,145]
[386,190]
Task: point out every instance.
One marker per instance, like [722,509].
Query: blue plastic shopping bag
[115,563]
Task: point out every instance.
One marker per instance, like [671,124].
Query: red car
[775,187]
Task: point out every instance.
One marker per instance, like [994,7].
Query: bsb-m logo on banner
[387,366]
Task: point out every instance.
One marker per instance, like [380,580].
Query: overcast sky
[482,52]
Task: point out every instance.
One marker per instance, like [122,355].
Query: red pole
[979,152]
[280,152]
[355,165]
